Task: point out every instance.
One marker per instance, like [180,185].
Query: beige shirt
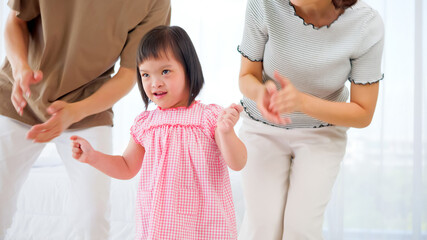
[76,45]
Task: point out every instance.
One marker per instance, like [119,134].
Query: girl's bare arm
[120,167]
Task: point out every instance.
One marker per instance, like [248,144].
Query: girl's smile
[159,94]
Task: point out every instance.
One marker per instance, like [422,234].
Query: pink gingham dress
[184,191]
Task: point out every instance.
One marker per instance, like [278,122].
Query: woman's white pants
[288,179]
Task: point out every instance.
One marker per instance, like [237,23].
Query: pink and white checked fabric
[184,191]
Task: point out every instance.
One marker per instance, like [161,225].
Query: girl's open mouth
[159,94]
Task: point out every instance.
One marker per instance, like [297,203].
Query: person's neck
[320,13]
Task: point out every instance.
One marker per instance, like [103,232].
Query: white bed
[46,191]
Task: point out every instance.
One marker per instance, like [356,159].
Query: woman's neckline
[310,24]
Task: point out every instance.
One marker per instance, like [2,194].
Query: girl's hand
[228,118]
[81,148]
[287,99]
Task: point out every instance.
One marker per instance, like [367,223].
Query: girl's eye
[165,72]
[144,75]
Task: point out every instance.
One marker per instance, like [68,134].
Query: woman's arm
[250,78]
[357,113]
[64,114]
[120,167]
[107,95]
[232,148]
[271,102]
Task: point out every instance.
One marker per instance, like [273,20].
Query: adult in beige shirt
[57,81]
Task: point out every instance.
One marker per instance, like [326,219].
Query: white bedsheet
[45,194]
[43,199]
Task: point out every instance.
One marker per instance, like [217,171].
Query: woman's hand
[62,116]
[287,99]
[252,86]
[264,103]
[228,118]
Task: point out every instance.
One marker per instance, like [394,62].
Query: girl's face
[164,82]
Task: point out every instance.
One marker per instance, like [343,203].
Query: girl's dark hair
[163,39]
[343,3]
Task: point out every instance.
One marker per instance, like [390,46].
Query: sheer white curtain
[381,192]
[382,189]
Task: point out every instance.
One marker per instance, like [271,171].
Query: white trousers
[288,179]
[88,208]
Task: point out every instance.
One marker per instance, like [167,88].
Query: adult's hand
[23,79]
[62,116]
[264,104]
[287,99]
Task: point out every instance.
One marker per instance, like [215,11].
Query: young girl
[182,148]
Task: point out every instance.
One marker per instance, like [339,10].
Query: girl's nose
[156,83]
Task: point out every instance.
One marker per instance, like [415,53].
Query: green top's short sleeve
[26,10]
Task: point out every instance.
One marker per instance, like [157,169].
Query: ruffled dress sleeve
[210,118]
[138,127]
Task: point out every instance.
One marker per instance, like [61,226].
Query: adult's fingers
[45,132]
[283,81]
[37,77]
[271,88]
[18,101]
